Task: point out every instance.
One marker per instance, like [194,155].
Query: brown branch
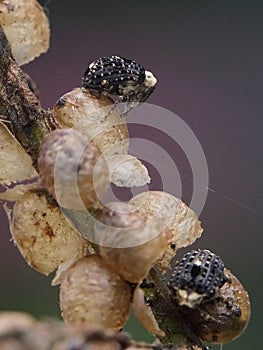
[29,122]
[167,312]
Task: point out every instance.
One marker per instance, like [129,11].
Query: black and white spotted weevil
[197,277]
[120,77]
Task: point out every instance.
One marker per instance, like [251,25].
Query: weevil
[120,77]
[197,277]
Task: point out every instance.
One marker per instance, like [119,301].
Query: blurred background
[207,56]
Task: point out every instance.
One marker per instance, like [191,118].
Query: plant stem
[18,103]
[167,312]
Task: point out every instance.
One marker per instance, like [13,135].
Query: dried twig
[29,122]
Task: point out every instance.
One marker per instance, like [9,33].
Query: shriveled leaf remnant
[15,163]
[144,314]
[15,193]
[127,171]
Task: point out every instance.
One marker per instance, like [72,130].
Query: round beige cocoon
[91,295]
[26,27]
[42,234]
[15,163]
[13,194]
[72,169]
[15,322]
[90,115]
[179,219]
[129,243]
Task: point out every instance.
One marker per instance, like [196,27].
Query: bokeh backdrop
[207,56]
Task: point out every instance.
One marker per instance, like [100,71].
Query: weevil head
[150,80]
[190,299]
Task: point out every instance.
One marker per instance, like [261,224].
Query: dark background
[208,58]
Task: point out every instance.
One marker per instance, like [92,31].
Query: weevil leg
[129,106]
[113,107]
